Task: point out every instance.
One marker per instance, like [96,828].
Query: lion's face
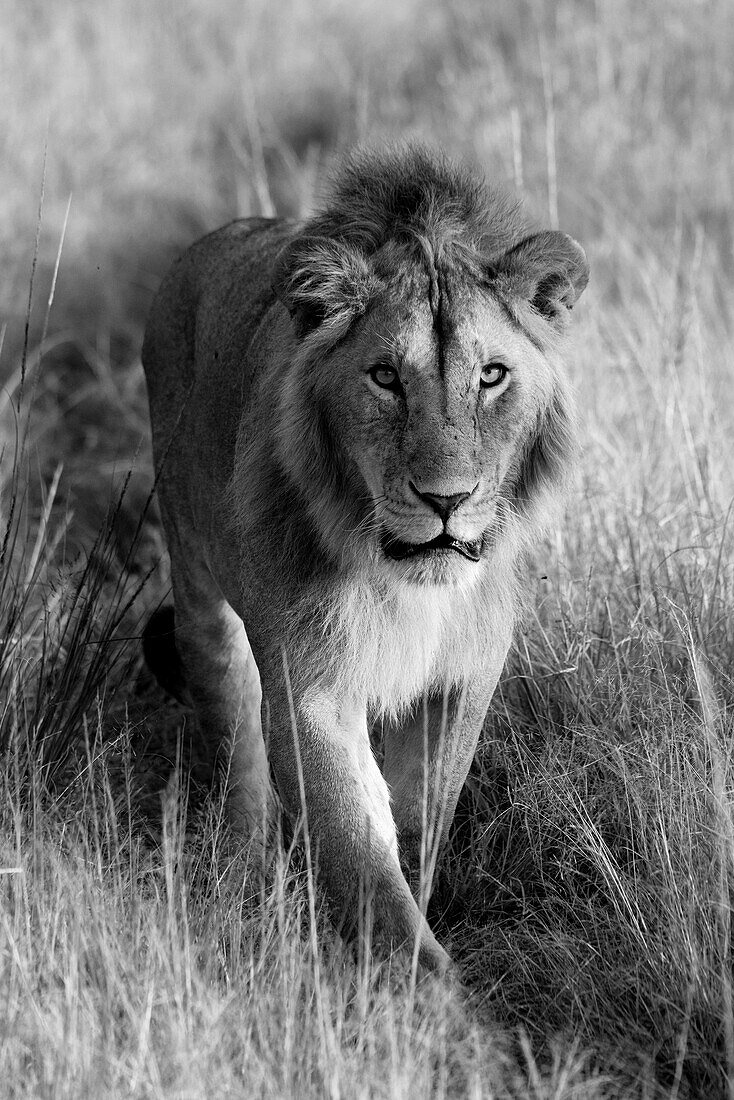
[425,416]
[435,418]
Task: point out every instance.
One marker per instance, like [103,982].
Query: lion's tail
[160,652]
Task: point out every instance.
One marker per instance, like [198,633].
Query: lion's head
[424,415]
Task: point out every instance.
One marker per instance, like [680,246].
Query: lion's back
[198,358]
[209,306]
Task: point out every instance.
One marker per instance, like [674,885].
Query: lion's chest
[392,645]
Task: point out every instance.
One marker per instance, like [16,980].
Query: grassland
[588,899]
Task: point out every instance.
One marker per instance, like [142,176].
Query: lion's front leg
[427,758]
[321,754]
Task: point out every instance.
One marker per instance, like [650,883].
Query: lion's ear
[322,282]
[549,269]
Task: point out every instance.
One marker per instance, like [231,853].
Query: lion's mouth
[398,551]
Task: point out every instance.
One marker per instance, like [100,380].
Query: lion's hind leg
[223,685]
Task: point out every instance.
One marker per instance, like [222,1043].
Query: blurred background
[162,120]
[131,127]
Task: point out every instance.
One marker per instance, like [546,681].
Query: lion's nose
[444,505]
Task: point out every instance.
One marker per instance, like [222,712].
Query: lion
[360,425]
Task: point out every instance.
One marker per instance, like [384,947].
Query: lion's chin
[439,548]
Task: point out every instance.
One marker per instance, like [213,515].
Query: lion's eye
[493,374]
[385,376]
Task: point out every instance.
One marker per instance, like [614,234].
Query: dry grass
[589,895]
